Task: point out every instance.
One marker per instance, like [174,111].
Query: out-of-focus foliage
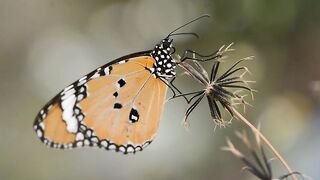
[45,45]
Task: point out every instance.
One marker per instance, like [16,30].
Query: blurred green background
[47,44]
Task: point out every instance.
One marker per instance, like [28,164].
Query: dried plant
[258,164]
[223,89]
[217,89]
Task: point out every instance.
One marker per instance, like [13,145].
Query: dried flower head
[224,89]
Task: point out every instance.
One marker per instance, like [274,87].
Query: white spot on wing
[41,125]
[80,143]
[94,139]
[67,114]
[79,136]
[89,133]
[81,82]
[104,143]
[67,93]
[77,111]
[130,149]
[86,142]
[95,75]
[80,117]
[82,89]
[83,78]
[39,133]
[112,147]
[80,97]
[133,117]
[69,87]
[122,149]
[107,70]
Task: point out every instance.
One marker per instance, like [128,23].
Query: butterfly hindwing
[117,106]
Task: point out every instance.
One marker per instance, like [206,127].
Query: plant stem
[266,141]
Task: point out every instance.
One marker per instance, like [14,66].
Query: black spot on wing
[134,115]
[117,106]
[121,82]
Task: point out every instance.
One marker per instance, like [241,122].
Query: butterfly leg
[187,94]
[175,90]
[191,107]
[180,94]
[193,55]
[203,58]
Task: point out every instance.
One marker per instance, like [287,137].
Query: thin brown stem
[266,141]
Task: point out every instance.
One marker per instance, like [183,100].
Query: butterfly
[115,107]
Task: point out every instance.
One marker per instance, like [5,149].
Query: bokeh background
[47,44]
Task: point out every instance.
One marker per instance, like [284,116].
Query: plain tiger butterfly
[116,107]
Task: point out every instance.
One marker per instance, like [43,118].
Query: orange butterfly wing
[117,107]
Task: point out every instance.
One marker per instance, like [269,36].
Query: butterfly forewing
[118,107]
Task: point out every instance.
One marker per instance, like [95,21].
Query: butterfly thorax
[165,64]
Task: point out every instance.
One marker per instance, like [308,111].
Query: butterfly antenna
[200,17]
[185,33]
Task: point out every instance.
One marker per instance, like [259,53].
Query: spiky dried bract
[232,149]
[260,166]
[226,89]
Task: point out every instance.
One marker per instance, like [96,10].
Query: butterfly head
[164,65]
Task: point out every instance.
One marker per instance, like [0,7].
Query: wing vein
[147,120]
